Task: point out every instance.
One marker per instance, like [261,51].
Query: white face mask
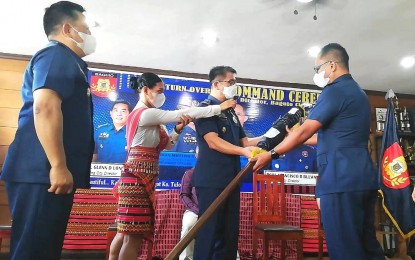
[231,91]
[157,100]
[89,43]
[320,80]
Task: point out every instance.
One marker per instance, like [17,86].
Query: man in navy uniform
[110,140]
[347,183]
[51,154]
[221,141]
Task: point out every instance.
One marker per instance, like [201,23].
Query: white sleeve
[155,116]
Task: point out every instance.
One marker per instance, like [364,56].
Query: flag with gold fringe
[395,188]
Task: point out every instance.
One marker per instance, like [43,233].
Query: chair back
[269,199]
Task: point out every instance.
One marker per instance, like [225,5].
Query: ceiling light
[314,51]
[408,62]
[304,1]
[210,38]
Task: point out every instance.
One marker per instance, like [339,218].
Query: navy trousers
[39,221]
[218,238]
[348,222]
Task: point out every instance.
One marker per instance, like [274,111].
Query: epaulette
[206,102]
[107,124]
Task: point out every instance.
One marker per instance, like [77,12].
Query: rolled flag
[394,181]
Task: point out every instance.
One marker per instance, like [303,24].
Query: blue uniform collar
[121,129]
[341,78]
[214,100]
[54,43]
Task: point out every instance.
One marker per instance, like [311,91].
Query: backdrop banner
[258,107]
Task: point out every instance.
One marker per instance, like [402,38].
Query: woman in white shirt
[146,138]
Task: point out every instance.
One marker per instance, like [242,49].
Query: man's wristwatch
[274,154]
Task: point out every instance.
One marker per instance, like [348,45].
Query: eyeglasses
[230,82]
[317,67]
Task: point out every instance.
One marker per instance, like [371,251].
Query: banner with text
[258,107]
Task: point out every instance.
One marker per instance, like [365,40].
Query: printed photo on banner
[258,107]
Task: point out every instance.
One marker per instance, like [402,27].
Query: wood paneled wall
[379,101]
[11,76]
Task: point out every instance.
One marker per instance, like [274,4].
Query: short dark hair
[147,79]
[120,101]
[59,12]
[220,71]
[338,52]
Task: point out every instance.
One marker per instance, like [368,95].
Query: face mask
[89,45]
[320,80]
[157,100]
[231,91]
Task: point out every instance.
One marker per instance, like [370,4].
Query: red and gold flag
[395,188]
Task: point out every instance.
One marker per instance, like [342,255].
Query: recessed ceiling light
[314,51]
[304,1]
[408,62]
[210,38]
